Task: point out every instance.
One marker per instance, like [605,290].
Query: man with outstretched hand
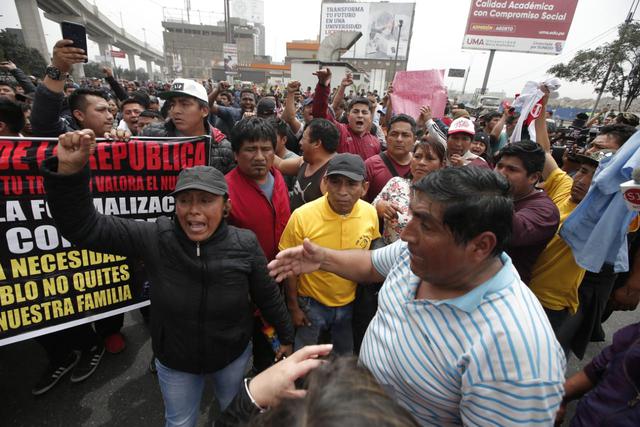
[450,341]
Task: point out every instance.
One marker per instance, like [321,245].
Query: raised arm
[497,129]
[542,138]
[389,109]
[425,121]
[117,89]
[47,103]
[339,96]
[222,86]
[289,112]
[19,75]
[595,118]
[354,264]
[321,95]
[66,183]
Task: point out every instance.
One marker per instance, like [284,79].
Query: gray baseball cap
[205,178]
[349,165]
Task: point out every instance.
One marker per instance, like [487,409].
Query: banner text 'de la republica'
[46,283]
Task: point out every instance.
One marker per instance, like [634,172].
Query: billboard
[534,26]
[251,10]
[456,72]
[230,58]
[384,27]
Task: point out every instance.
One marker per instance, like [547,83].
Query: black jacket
[23,80]
[201,293]
[221,155]
[46,118]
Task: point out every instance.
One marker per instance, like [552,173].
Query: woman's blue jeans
[182,391]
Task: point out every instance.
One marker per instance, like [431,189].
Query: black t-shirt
[307,188]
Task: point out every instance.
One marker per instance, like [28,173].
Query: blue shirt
[597,229]
[487,357]
[230,115]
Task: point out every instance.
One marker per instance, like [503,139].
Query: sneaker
[114,343]
[53,374]
[89,361]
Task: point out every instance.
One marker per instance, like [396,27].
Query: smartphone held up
[76,33]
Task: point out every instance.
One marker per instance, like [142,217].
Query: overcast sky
[438,30]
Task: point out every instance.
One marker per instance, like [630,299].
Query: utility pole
[483,91]
[227,24]
[395,61]
[466,76]
[614,56]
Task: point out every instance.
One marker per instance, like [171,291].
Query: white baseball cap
[462,125]
[186,87]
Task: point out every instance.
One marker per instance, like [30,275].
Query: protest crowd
[339,262]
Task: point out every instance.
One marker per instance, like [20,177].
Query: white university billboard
[379,24]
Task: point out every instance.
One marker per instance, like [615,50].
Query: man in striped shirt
[458,338]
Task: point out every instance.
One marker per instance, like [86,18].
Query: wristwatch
[54,73]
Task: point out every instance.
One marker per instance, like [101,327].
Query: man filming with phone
[89,108]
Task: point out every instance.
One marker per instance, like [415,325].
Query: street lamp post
[395,60]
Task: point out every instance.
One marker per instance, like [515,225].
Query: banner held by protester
[413,89]
[46,284]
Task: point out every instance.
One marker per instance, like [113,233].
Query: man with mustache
[259,202]
[458,338]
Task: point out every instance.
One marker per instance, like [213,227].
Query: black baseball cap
[266,107]
[481,137]
[205,178]
[349,165]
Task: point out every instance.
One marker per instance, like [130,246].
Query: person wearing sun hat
[188,116]
[204,275]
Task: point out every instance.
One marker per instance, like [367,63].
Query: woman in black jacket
[205,274]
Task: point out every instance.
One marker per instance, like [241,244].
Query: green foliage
[93,69]
[592,65]
[29,60]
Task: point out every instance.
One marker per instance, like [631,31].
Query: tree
[93,69]
[29,60]
[592,66]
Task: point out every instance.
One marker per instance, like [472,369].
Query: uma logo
[177,86]
[474,41]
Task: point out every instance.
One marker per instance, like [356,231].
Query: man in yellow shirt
[555,275]
[322,301]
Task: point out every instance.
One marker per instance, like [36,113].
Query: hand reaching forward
[278,382]
[305,258]
[74,149]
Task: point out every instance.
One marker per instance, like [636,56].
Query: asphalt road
[122,392]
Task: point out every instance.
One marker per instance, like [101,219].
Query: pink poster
[413,89]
